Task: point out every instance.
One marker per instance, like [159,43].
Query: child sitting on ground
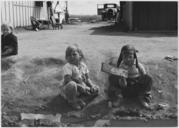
[35,23]
[76,79]
[137,84]
[8,41]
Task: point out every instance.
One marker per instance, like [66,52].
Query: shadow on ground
[7,64]
[29,28]
[58,105]
[121,30]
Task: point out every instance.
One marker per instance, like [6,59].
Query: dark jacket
[9,40]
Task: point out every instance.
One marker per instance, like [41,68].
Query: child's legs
[82,88]
[146,85]
[113,89]
[113,93]
[138,86]
[94,89]
[130,91]
[70,91]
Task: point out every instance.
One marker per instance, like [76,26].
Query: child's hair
[7,25]
[125,50]
[70,49]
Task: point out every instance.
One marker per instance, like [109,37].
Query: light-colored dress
[75,72]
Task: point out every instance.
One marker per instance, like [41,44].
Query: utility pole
[66,12]
[66,2]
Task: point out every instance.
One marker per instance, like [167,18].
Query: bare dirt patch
[30,81]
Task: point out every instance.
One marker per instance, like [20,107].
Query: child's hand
[67,78]
[88,90]
[122,82]
[78,80]
[83,88]
[94,90]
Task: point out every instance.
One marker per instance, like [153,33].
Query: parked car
[107,11]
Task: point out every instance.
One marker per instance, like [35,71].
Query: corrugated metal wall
[127,14]
[19,12]
[155,15]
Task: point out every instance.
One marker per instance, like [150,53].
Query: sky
[86,7]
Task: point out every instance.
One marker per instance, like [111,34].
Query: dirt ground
[31,80]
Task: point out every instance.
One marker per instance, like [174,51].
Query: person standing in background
[59,13]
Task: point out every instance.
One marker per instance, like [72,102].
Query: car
[108,11]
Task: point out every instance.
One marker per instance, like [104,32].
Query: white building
[18,12]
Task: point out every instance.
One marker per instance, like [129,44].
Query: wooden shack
[18,12]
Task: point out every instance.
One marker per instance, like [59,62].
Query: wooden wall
[18,12]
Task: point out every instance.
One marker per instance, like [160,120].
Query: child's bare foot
[76,106]
[82,103]
[144,103]
[113,104]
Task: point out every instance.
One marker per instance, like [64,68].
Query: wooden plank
[20,13]
[12,9]
[31,9]
[26,22]
[8,13]
[50,117]
[12,13]
[15,14]
[2,12]
[23,13]
[27,16]
[20,7]
[1,16]
[114,70]
[5,8]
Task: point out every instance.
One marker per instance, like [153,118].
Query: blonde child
[138,84]
[76,79]
[8,41]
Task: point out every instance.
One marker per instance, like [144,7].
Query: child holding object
[76,79]
[137,83]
